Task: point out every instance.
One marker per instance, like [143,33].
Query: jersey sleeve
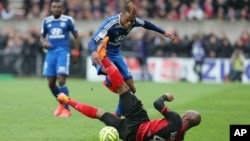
[43,29]
[98,36]
[72,26]
[148,25]
[171,116]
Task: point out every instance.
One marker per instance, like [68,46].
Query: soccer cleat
[101,49]
[59,110]
[63,98]
[65,113]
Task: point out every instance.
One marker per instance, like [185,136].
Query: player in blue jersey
[117,27]
[55,37]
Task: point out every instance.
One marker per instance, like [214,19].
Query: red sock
[111,88]
[114,75]
[85,109]
[106,63]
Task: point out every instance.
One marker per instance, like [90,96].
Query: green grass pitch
[27,108]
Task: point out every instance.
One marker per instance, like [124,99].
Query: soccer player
[136,126]
[117,27]
[55,37]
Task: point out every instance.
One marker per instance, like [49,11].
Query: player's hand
[75,56]
[95,57]
[170,97]
[46,45]
[169,35]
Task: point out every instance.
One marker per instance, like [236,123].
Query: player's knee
[122,88]
[131,85]
[133,89]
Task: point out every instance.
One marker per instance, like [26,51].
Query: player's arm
[43,40]
[76,50]
[150,26]
[76,41]
[167,113]
[159,103]
[94,42]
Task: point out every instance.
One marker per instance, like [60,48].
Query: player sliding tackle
[136,126]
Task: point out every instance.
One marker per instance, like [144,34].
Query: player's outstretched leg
[101,50]
[85,109]
[113,75]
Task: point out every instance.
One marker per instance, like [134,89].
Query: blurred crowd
[164,9]
[214,46]
[20,50]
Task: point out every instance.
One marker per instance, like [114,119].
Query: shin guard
[111,88]
[113,74]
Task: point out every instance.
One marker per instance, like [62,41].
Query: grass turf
[27,108]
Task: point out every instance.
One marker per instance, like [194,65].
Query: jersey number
[157,138]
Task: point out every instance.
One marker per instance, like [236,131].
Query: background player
[117,27]
[136,126]
[56,39]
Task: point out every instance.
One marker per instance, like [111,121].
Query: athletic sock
[106,63]
[119,109]
[85,109]
[114,75]
[64,89]
[55,91]
[109,85]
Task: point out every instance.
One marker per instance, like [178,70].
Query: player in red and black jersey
[136,126]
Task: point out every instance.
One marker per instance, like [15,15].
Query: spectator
[161,48]
[225,50]
[164,9]
[184,10]
[198,53]
[237,61]
[212,46]
[208,9]
[240,45]
[231,14]
[195,13]
[141,53]
[6,12]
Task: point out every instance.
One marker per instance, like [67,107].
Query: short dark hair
[129,7]
[56,1]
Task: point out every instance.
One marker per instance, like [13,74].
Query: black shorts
[134,115]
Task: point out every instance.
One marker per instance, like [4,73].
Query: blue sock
[64,89]
[55,91]
[119,108]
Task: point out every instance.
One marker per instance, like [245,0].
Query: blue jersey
[112,27]
[58,31]
[58,34]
